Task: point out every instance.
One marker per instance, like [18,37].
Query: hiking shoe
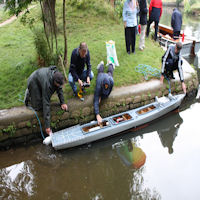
[101,63]
[110,63]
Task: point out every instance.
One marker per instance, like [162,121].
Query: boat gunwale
[160,110]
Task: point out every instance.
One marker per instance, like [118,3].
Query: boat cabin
[94,127]
[121,118]
[146,110]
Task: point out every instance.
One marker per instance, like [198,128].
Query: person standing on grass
[130,24]
[143,22]
[77,73]
[104,85]
[171,61]
[176,23]
[42,83]
[155,12]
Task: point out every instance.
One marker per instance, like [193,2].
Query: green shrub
[45,57]
[119,7]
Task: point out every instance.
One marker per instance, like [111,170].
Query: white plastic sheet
[111,53]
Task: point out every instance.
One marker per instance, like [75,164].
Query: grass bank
[95,25]
[3,14]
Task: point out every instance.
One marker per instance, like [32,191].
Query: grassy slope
[18,56]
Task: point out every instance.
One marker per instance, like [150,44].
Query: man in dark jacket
[143,22]
[176,23]
[172,61]
[104,85]
[42,83]
[155,12]
[80,56]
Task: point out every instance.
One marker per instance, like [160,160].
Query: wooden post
[112,2]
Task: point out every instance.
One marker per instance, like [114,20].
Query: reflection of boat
[81,134]
[190,45]
[130,154]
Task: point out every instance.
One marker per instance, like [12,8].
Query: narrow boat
[190,45]
[82,134]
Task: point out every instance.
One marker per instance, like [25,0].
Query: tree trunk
[50,20]
[65,35]
[112,2]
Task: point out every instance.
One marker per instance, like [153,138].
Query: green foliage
[45,57]
[28,124]
[10,130]
[187,7]
[22,5]
[119,7]
[191,2]
[100,7]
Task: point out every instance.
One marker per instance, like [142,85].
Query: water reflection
[167,129]
[130,154]
[17,181]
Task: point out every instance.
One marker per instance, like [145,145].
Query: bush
[187,8]
[45,57]
[119,7]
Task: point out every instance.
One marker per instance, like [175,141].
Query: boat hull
[190,45]
[79,134]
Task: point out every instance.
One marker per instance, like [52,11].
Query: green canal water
[160,161]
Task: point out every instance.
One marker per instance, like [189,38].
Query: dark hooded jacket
[41,87]
[176,20]
[77,64]
[100,91]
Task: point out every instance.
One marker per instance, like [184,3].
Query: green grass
[3,15]
[18,55]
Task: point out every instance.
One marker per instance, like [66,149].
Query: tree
[49,26]
[178,2]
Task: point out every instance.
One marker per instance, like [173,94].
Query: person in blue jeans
[77,72]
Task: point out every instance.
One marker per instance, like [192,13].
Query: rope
[168,80]
[20,99]
[147,70]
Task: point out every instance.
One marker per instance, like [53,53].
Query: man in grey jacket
[171,61]
[42,83]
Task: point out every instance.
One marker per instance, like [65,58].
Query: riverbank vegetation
[92,22]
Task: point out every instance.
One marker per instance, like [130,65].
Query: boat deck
[81,134]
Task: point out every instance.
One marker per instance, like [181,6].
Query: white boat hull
[75,136]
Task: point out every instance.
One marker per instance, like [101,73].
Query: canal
[160,161]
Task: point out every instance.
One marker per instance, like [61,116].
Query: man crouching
[171,61]
[42,83]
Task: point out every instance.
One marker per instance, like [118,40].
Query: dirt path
[8,21]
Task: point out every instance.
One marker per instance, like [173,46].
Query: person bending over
[171,61]
[104,85]
[41,85]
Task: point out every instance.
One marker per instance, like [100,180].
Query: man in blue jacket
[176,23]
[77,73]
[104,85]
